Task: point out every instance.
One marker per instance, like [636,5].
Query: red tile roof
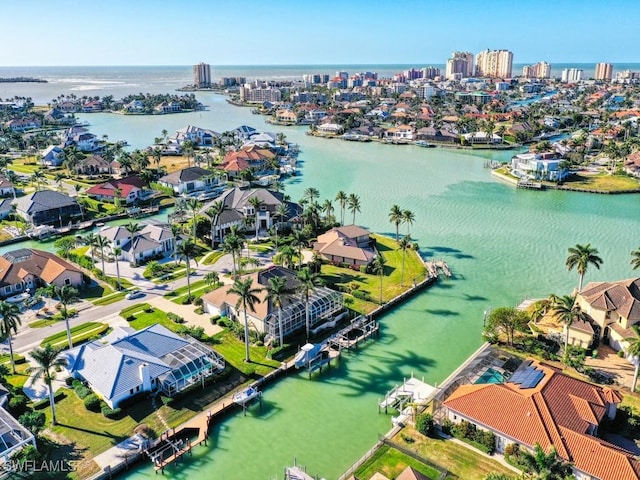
[126,185]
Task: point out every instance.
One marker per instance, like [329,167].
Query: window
[18,287]
[131,391]
[67,281]
[7,289]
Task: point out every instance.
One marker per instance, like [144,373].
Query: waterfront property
[538,166]
[26,269]
[150,360]
[48,207]
[13,435]
[128,189]
[539,404]
[612,309]
[154,240]
[191,179]
[349,244]
[324,304]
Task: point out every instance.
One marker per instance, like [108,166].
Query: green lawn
[233,351]
[45,322]
[198,289]
[112,298]
[79,333]
[95,292]
[394,282]
[143,319]
[20,378]
[212,257]
[391,462]
[603,182]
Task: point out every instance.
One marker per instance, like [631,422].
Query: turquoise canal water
[502,244]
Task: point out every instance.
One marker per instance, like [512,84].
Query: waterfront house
[26,269]
[167,107]
[199,136]
[632,164]
[48,207]
[329,128]
[128,189]
[134,362]
[53,156]
[238,211]
[481,137]
[324,304]
[348,244]
[613,308]
[244,132]
[400,133]
[286,117]
[6,187]
[153,241]
[93,165]
[431,134]
[81,138]
[254,157]
[192,179]
[23,124]
[6,208]
[539,404]
[538,166]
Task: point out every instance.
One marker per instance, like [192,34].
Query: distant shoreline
[22,80]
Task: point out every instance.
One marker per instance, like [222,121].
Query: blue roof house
[150,360]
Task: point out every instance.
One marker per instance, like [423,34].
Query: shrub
[511,449]
[187,300]
[621,353]
[407,438]
[214,319]
[199,310]
[447,426]
[18,404]
[69,381]
[198,302]
[424,424]
[34,421]
[363,269]
[175,317]
[92,402]
[81,390]
[44,403]
[112,413]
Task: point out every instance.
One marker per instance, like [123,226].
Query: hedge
[112,413]
[92,402]
[44,403]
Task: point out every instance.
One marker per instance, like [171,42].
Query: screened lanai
[190,364]
[13,436]
[324,304]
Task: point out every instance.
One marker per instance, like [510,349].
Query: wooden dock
[356,332]
[530,185]
[437,267]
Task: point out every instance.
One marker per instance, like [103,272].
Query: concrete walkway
[115,455]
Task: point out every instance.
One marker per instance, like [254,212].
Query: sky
[305,32]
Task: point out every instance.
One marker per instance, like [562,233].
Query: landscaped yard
[603,182]
[233,351]
[79,333]
[198,289]
[212,257]
[144,315]
[391,462]
[394,282]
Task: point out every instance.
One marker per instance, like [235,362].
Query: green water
[503,245]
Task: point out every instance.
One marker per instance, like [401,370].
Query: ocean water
[502,244]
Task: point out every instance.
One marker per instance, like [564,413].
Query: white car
[133,295]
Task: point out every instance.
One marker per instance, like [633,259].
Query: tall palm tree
[377,267]
[256,203]
[567,311]
[396,217]
[10,313]
[38,178]
[186,251]
[233,244]
[342,198]
[353,203]
[116,256]
[312,194]
[247,298]
[308,282]
[102,243]
[194,205]
[298,242]
[633,351]
[278,293]
[404,244]
[286,255]
[408,217]
[327,209]
[635,259]
[49,291]
[282,212]
[90,239]
[47,361]
[580,257]
[214,211]
[66,295]
[212,278]
[133,228]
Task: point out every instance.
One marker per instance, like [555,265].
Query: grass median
[79,334]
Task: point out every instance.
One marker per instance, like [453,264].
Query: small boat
[244,396]
[423,143]
[307,354]
[21,297]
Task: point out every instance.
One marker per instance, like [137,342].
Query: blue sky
[290,32]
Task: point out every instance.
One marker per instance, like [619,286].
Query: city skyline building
[494,63]
[202,75]
[572,75]
[460,65]
[604,71]
[537,70]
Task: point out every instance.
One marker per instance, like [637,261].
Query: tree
[48,291]
[545,466]
[47,361]
[635,259]
[408,217]
[256,203]
[580,257]
[116,256]
[342,198]
[567,310]
[90,239]
[507,320]
[186,251]
[194,206]
[353,203]
[66,295]
[287,253]
[377,266]
[327,209]
[247,298]
[278,293]
[633,351]
[404,244]
[298,242]
[102,243]
[308,282]
[282,212]
[396,217]
[10,313]
[233,244]
[311,194]
[133,228]
[64,245]
[214,211]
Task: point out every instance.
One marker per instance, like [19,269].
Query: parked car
[133,295]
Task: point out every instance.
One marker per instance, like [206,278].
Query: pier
[412,390]
[355,333]
[437,267]
[530,185]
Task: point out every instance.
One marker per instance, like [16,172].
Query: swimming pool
[490,376]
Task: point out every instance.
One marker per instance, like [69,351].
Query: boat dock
[436,267]
[412,390]
[356,332]
[530,185]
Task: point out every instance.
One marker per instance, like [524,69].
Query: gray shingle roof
[185,175]
[44,200]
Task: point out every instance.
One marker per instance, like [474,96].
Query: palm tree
[186,251]
[66,295]
[194,205]
[377,267]
[90,239]
[633,352]
[327,209]
[408,217]
[311,194]
[580,257]
[404,245]
[256,203]
[214,211]
[38,178]
[247,297]
[635,259]
[342,198]
[232,244]
[212,278]
[10,313]
[542,465]
[286,255]
[102,243]
[133,228]
[278,292]
[282,211]
[396,217]
[567,310]
[308,282]
[353,202]
[49,291]
[48,361]
[298,242]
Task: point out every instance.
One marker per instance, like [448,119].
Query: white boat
[244,396]
[422,143]
[307,353]
[21,297]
